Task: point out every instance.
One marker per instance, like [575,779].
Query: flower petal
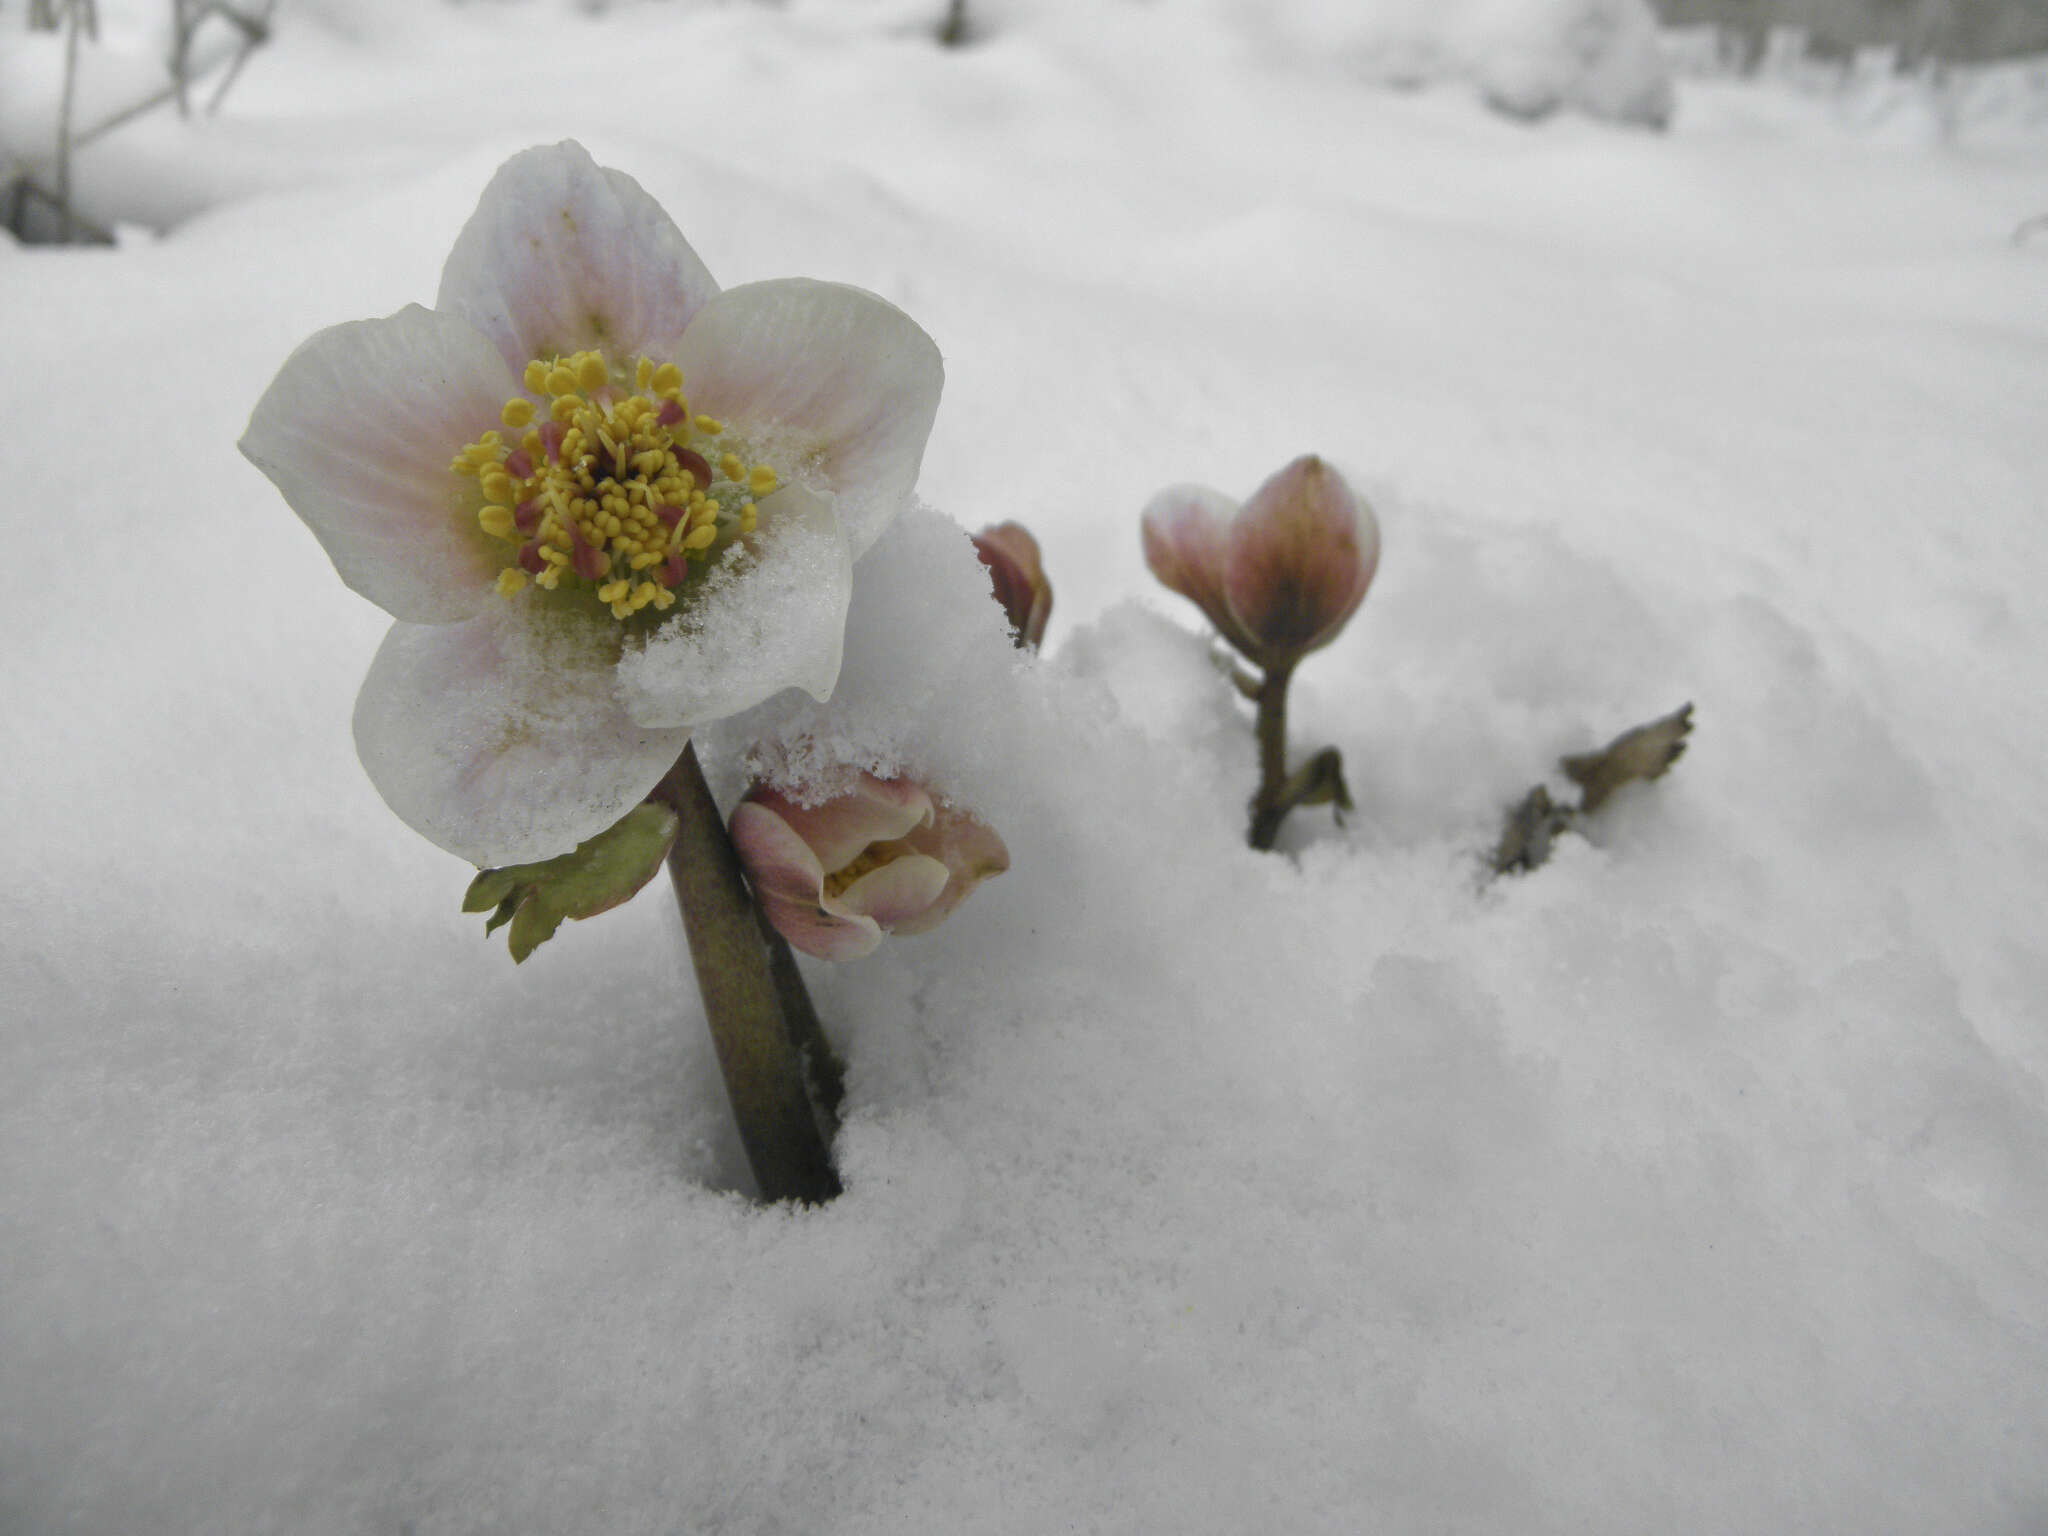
[562,254]
[802,368]
[841,829]
[823,934]
[1184,529]
[1299,558]
[896,894]
[971,852]
[357,430]
[780,865]
[1017,572]
[770,615]
[501,739]
[790,884]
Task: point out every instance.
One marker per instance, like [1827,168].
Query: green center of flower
[612,489]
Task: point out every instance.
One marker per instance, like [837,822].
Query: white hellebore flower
[605,501]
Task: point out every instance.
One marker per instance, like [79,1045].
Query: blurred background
[1957,31]
[110,110]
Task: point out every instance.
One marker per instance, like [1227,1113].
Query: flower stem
[1271,805]
[824,1072]
[742,1002]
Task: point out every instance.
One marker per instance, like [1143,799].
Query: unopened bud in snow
[1278,576]
[882,858]
[1011,555]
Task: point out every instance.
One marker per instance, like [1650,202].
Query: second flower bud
[883,857]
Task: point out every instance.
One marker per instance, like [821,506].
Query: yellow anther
[750,516]
[615,508]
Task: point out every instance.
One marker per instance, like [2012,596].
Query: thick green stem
[742,1002]
[1270,805]
[823,1070]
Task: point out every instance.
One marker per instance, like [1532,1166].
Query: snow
[1698,1181]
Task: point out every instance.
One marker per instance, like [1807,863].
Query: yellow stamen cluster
[600,489]
[867,861]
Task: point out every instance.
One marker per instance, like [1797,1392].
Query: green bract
[594,877]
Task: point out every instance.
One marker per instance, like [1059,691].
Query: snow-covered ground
[1698,1182]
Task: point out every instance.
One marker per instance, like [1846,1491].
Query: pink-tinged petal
[1185,528]
[1299,559]
[769,615]
[1017,572]
[803,367]
[790,885]
[971,852]
[825,935]
[780,865]
[896,894]
[840,829]
[501,739]
[357,430]
[562,254]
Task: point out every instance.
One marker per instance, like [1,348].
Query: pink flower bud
[1011,555]
[881,858]
[1278,576]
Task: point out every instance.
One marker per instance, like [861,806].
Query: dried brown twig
[1536,821]
[21,187]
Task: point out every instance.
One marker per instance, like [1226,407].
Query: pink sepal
[1278,577]
[1299,558]
[1018,575]
[925,860]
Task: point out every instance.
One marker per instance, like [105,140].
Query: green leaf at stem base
[594,877]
